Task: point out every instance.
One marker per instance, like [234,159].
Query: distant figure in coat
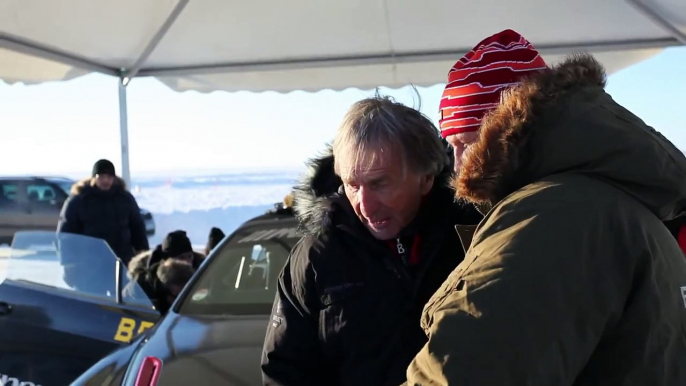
[101,207]
[162,284]
[215,237]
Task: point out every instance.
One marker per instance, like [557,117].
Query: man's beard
[482,207]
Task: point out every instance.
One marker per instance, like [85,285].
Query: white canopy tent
[310,45]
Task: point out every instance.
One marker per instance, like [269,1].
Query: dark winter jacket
[111,215]
[347,309]
[142,274]
[571,278]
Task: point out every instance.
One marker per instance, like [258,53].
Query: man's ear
[426,183]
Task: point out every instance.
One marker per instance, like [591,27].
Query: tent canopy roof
[311,44]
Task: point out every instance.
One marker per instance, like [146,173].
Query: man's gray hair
[379,124]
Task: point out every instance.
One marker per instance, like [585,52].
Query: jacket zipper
[402,252]
[389,260]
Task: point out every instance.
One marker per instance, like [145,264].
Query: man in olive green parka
[571,278]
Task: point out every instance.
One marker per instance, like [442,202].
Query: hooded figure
[101,207]
[571,278]
[215,237]
[144,268]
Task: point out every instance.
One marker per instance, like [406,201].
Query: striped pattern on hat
[476,81]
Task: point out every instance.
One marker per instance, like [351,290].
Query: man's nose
[368,202]
[457,154]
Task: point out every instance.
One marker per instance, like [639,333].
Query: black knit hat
[176,243]
[216,235]
[103,166]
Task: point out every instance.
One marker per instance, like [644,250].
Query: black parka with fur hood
[347,311]
[111,215]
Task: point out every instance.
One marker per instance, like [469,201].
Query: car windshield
[241,275]
[71,265]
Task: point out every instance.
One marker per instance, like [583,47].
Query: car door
[62,308]
[13,215]
[43,204]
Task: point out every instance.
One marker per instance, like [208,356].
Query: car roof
[278,218]
[278,215]
[31,178]
[14,178]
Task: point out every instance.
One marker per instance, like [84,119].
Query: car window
[241,275]
[8,193]
[65,185]
[42,193]
[70,264]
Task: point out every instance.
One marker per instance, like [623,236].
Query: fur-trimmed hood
[316,193]
[88,183]
[561,120]
[139,263]
[319,196]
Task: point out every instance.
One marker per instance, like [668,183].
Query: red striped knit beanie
[476,81]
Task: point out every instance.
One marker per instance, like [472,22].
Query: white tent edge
[125,75]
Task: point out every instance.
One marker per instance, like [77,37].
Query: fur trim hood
[139,264]
[89,182]
[316,194]
[319,197]
[560,121]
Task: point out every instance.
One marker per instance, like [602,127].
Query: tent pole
[124,131]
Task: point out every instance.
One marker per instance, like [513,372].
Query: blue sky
[62,128]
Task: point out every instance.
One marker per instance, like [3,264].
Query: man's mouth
[378,224]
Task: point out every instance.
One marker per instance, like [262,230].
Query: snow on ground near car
[184,194]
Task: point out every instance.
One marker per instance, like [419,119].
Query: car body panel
[205,350]
[112,369]
[12,218]
[51,340]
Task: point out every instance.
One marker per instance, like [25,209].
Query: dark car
[62,307]
[34,203]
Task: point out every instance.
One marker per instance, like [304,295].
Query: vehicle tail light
[149,372]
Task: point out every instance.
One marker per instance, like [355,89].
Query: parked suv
[34,203]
